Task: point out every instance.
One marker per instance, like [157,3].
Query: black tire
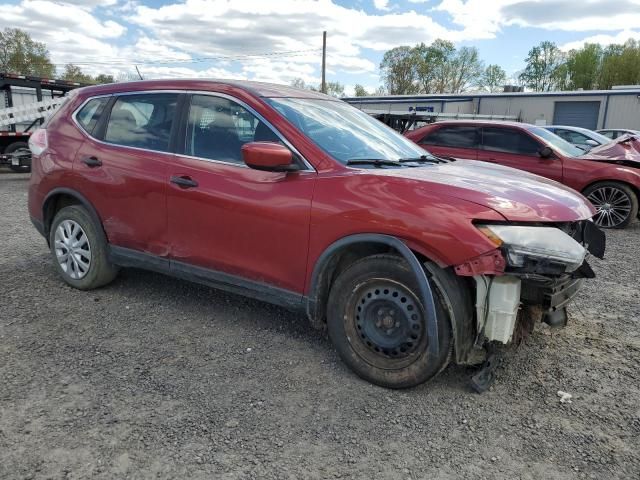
[599,192]
[13,148]
[100,271]
[364,299]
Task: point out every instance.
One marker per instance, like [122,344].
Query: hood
[517,195]
[623,150]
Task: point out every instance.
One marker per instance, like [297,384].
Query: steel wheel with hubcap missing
[378,324]
[387,325]
[72,249]
[615,204]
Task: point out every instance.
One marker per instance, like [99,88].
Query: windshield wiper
[423,158]
[378,162]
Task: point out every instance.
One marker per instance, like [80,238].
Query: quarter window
[142,121]
[458,136]
[509,140]
[218,128]
[90,113]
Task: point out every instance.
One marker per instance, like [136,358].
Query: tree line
[441,68]
[21,55]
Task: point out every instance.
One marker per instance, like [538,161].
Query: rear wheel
[378,324]
[616,204]
[79,249]
[20,149]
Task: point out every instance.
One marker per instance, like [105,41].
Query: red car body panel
[273,227]
[578,173]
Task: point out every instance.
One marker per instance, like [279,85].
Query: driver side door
[227,218]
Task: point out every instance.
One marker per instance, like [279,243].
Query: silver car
[580,137]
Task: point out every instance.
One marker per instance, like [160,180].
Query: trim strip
[126,257]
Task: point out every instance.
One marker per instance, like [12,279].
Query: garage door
[577,114]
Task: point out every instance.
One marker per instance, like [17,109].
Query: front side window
[343,131]
[218,127]
[509,140]
[453,136]
[609,134]
[142,121]
[89,114]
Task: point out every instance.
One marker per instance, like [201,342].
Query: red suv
[299,199]
[612,184]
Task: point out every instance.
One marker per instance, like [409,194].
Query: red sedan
[299,199]
[608,177]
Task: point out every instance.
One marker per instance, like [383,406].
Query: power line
[290,53]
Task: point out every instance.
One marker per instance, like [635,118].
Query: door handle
[92,162]
[184,182]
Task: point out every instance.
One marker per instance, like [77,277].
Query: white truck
[25,102]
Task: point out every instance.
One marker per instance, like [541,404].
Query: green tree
[493,78]
[335,89]
[466,69]
[620,65]
[298,83]
[398,68]
[19,53]
[360,91]
[583,67]
[73,73]
[541,71]
[103,78]
[435,66]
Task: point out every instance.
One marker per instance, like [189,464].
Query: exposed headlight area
[536,249]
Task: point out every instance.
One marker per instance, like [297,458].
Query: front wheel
[616,204]
[378,324]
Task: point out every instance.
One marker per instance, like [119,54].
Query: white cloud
[381,4]
[481,17]
[603,39]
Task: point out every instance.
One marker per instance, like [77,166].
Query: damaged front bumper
[511,297]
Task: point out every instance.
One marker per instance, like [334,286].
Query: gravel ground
[156,377]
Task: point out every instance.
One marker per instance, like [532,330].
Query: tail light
[38,141]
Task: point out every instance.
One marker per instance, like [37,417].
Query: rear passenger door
[457,141]
[228,218]
[515,148]
[122,168]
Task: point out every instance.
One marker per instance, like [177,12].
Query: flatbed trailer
[20,116]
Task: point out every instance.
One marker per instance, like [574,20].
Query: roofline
[439,97]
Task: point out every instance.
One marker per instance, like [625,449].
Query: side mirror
[268,156]
[545,152]
[591,143]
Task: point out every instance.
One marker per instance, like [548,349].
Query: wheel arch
[61,197]
[633,187]
[345,251]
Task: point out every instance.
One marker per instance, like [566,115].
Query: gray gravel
[156,377]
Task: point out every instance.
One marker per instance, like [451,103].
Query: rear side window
[142,121]
[458,136]
[88,115]
[610,134]
[509,140]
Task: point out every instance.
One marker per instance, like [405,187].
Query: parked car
[301,200]
[580,137]
[613,133]
[610,182]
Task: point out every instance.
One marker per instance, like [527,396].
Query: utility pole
[323,85]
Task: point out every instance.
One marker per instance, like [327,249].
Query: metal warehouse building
[616,108]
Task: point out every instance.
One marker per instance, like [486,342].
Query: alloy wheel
[613,206]
[72,249]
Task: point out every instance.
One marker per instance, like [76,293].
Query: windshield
[557,143]
[344,132]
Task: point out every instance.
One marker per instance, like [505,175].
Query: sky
[279,40]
